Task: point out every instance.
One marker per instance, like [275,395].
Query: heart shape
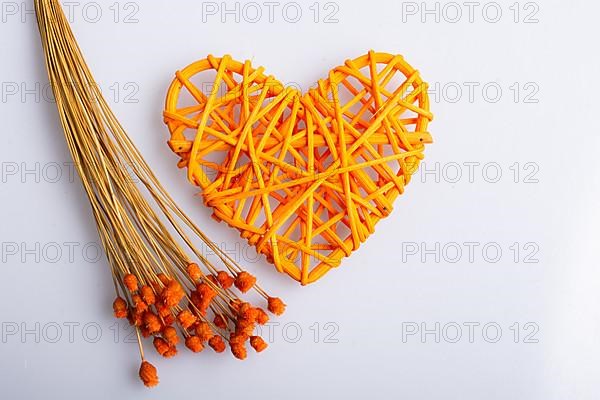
[304,177]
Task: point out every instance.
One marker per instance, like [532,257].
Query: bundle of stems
[165,286]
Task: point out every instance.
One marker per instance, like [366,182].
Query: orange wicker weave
[304,177]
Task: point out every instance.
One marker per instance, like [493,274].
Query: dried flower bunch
[160,289]
[201,308]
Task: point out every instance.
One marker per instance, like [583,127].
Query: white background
[383,289]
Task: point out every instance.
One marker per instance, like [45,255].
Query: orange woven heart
[304,178]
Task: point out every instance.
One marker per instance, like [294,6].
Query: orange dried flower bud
[135,319]
[258,343]
[194,272]
[276,306]
[169,319]
[170,335]
[244,282]
[164,279]
[225,280]
[131,282]
[145,332]
[139,304]
[120,308]
[220,322]
[217,343]
[244,328]
[243,308]
[172,352]
[163,347]
[172,294]
[186,319]
[194,344]
[206,295]
[195,298]
[239,351]
[248,312]
[148,295]
[204,332]
[152,322]
[237,338]
[204,289]
[163,310]
[148,374]
[262,317]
